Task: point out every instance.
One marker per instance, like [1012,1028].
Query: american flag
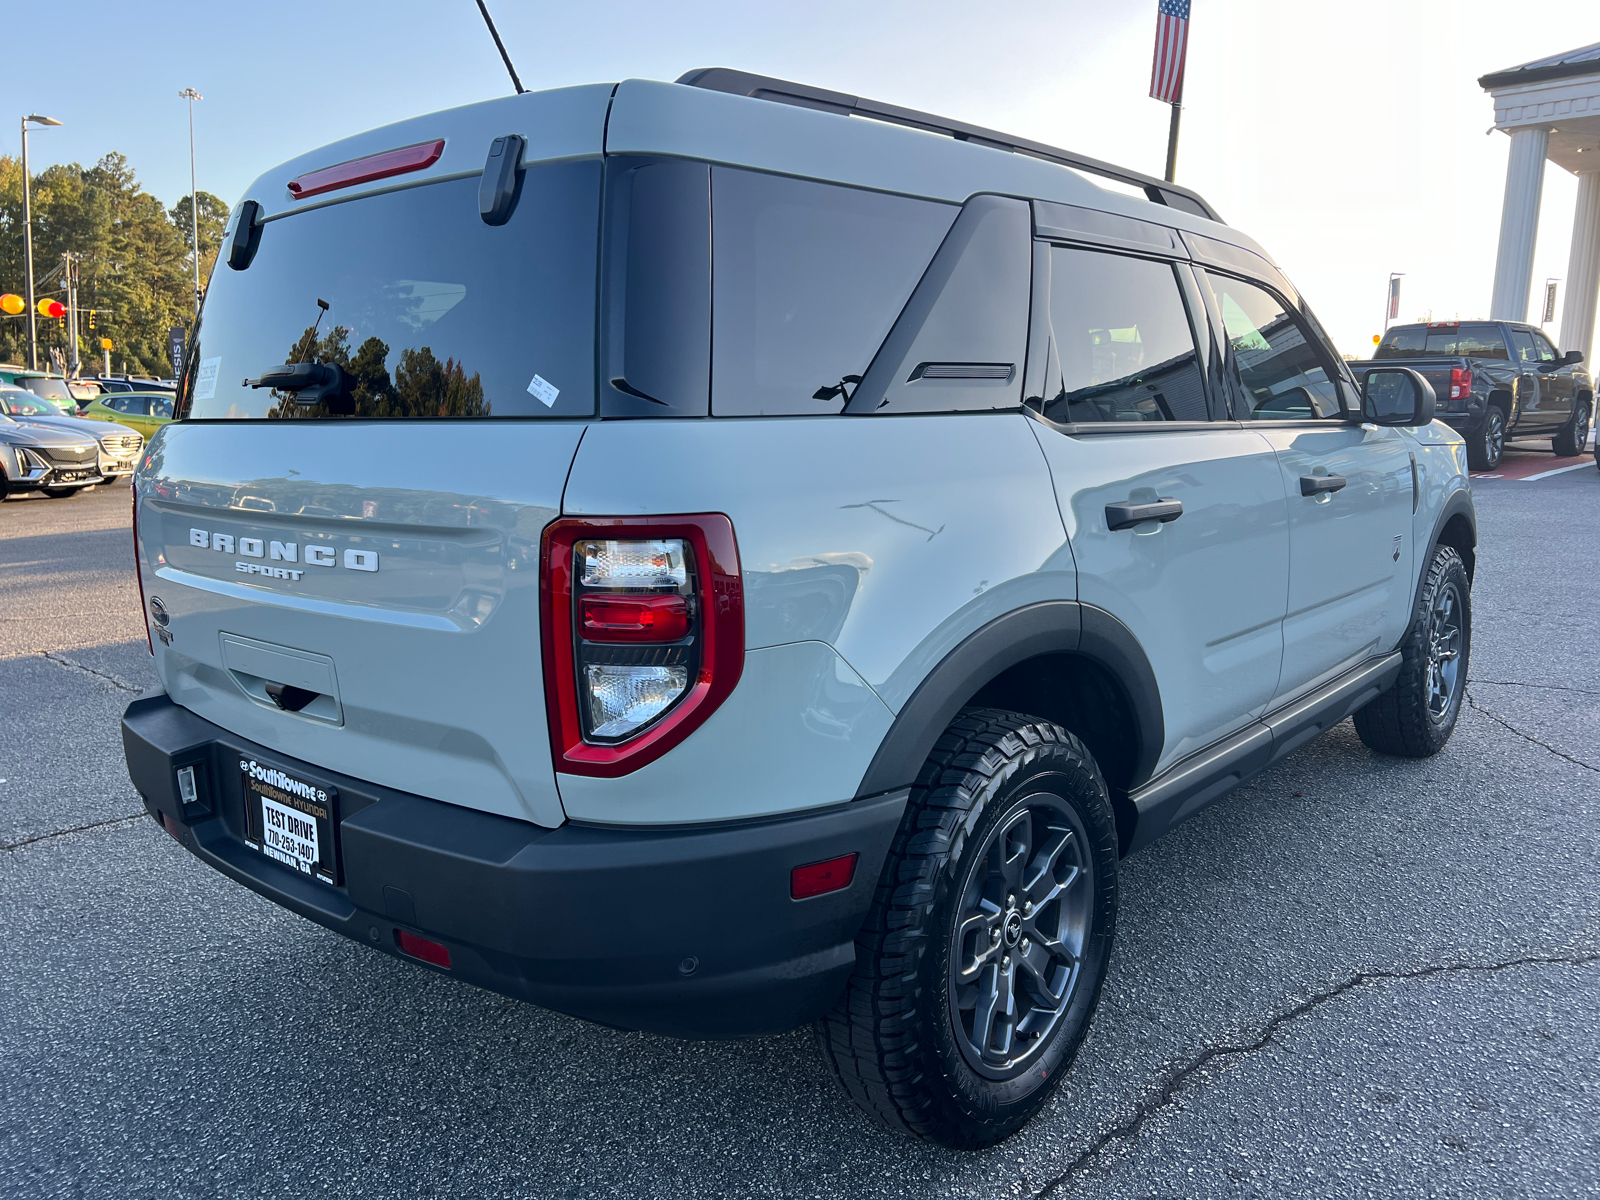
[1172,41]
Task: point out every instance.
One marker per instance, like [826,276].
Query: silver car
[716,556]
[119,446]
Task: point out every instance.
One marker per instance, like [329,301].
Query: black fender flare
[1458,504]
[1048,627]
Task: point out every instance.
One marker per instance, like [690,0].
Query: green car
[143,412]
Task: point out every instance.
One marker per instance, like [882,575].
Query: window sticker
[544,391]
[205,382]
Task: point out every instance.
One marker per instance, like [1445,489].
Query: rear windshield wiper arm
[309,383]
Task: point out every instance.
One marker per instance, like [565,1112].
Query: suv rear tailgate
[422,645]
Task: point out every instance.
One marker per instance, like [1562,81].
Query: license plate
[291,820]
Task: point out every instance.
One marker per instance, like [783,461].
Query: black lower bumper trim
[684,932]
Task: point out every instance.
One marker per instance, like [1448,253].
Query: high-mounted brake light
[1460,383]
[364,170]
[643,635]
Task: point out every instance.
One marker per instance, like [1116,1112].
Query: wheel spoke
[1037,963]
[1012,849]
[995,1015]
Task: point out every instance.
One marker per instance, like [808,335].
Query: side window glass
[1281,371]
[1522,346]
[117,405]
[807,280]
[161,408]
[1121,346]
[1545,347]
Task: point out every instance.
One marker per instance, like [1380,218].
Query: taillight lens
[643,635]
[138,574]
[1460,383]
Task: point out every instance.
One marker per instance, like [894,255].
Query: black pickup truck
[1494,380]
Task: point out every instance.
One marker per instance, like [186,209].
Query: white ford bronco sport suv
[715,556]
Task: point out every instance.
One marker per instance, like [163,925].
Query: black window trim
[1205,348]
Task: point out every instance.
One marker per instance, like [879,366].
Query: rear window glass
[54,389]
[431,313]
[1121,348]
[807,280]
[1446,341]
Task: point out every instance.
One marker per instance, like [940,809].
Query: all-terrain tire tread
[1398,722]
[871,1040]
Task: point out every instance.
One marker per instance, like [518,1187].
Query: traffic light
[91,318]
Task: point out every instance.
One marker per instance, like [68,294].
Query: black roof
[1583,61]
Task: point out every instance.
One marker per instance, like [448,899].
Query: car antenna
[311,341]
[500,46]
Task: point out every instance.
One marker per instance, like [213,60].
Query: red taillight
[623,618]
[1460,383]
[421,947]
[365,170]
[818,879]
[610,583]
[144,607]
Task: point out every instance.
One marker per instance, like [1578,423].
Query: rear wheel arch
[1073,664]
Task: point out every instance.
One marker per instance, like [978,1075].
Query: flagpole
[1172,136]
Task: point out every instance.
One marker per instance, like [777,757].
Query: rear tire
[1486,445]
[1415,717]
[998,899]
[60,493]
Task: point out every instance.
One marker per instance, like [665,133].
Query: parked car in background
[112,383]
[1495,380]
[51,387]
[35,458]
[119,448]
[142,412]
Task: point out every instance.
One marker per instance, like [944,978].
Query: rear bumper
[684,932]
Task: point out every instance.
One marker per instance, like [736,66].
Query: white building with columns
[1551,109]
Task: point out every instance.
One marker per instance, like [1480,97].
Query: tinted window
[807,279]
[25,404]
[432,313]
[1522,343]
[1283,375]
[1442,341]
[1545,347]
[160,408]
[1121,348]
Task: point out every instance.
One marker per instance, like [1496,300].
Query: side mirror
[1396,396]
[1572,358]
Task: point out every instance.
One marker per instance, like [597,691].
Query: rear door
[1555,385]
[1128,422]
[1349,488]
[1536,408]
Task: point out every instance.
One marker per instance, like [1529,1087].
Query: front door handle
[1126,516]
[1313,485]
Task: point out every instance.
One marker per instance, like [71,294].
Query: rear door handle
[1126,516]
[1312,485]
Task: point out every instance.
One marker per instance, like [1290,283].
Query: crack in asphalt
[45,837]
[1547,687]
[1498,719]
[1166,1094]
[115,681]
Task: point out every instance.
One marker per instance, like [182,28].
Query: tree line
[135,270]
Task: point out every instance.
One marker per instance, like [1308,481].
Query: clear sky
[1348,138]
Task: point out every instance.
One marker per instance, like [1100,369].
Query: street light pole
[27,239]
[191,96]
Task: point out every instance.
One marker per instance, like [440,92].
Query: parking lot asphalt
[1355,976]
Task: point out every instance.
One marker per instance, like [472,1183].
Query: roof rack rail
[782,91]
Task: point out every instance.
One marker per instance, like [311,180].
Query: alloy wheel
[1494,437]
[1021,927]
[1444,650]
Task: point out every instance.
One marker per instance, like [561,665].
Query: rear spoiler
[801,95]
